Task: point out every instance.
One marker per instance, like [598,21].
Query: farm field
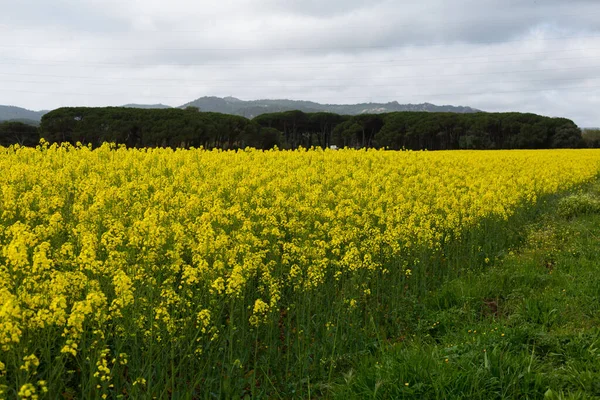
[159,273]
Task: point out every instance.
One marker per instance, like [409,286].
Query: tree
[567,136]
[591,137]
[18,133]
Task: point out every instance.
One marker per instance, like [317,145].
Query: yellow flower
[204,320]
[30,362]
[259,311]
[27,391]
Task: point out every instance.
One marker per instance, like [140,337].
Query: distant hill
[8,113]
[252,108]
[146,106]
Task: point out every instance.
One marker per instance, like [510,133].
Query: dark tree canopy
[137,127]
[591,137]
[424,130]
[18,133]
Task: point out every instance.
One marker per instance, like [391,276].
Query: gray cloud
[490,54]
[58,14]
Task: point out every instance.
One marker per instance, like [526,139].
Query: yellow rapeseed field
[127,273]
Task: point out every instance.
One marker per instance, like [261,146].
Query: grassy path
[527,327]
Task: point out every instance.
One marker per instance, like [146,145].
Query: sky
[540,56]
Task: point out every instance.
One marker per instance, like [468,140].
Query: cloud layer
[532,56]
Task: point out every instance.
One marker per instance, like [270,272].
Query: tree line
[591,137]
[425,130]
[291,129]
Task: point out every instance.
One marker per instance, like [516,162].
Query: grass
[526,327]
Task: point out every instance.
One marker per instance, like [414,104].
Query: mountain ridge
[14,113]
[253,108]
[134,105]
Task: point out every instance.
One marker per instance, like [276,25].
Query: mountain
[252,108]
[146,106]
[16,113]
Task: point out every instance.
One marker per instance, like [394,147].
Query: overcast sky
[496,55]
